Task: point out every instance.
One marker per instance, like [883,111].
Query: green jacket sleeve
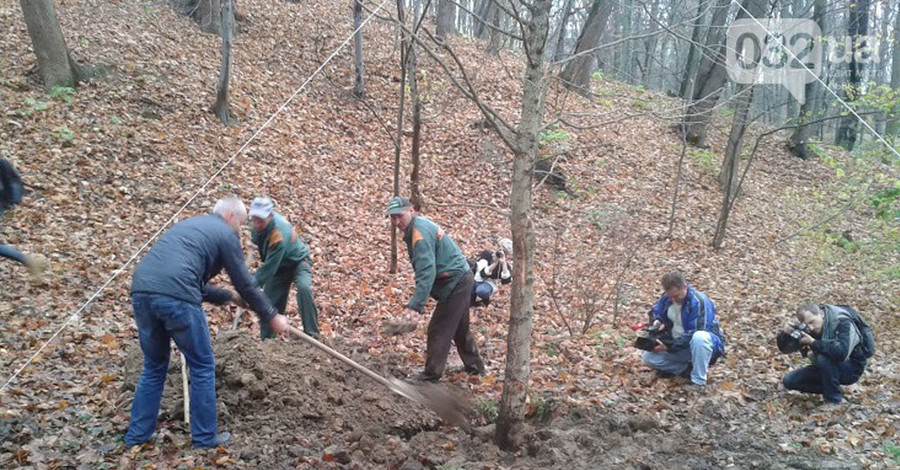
[270,266]
[424,264]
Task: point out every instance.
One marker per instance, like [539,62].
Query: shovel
[448,405]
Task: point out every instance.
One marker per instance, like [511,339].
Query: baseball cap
[397,205]
[261,207]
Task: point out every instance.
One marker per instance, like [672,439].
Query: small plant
[704,159]
[885,203]
[598,75]
[542,407]
[115,120]
[553,135]
[63,134]
[642,105]
[62,93]
[893,450]
[33,105]
[488,410]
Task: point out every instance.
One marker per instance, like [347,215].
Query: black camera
[647,338]
[498,254]
[790,342]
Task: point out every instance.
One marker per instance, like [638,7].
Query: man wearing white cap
[285,260]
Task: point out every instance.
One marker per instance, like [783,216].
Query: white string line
[818,79]
[215,175]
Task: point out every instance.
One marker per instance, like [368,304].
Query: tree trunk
[732,163]
[799,141]
[560,37]
[207,16]
[627,47]
[415,193]
[359,84]
[650,46]
[711,77]
[518,356]
[697,36]
[446,18]
[577,74]
[857,25]
[404,47]
[221,107]
[893,127]
[55,63]
[487,11]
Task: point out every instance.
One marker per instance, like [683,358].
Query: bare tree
[221,107]
[404,49]
[525,146]
[799,141]
[698,32]
[577,74]
[857,27]
[55,63]
[728,176]
[711,77]
[446,18]
[415,191]
[893,127]
[359,84]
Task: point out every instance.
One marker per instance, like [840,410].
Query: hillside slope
[107,169]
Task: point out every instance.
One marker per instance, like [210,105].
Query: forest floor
[110,163]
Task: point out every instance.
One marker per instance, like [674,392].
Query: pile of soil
[288,406]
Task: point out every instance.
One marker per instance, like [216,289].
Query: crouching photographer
[840,342]
[695,340]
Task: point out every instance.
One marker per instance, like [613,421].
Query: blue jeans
[9,252]
[696,358]
[159,319]
[482,290]
[824,377]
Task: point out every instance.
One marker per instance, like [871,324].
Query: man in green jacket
[285,260]
[442,272]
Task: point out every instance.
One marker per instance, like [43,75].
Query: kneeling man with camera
[696,340]
[841,344]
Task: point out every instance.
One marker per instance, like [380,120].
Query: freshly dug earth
[289,405]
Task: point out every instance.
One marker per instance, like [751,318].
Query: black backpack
[11,187]
[867,338]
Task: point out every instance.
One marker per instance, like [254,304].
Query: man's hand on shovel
[279,324]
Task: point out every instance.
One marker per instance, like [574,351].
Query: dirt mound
[289,406]
[286,403]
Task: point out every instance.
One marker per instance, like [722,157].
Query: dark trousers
[450,322]
[824,377]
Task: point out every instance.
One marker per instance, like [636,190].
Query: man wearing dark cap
[441,271]
[167,289]
[285,261]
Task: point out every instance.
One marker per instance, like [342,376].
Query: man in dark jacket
[167,289]
[839,352]
[11,191]
[690,317]
[285,261]
[442,272]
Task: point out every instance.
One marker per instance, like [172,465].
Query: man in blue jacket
[691,318]
[167,289]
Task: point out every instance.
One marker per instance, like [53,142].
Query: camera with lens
[789,342]
[499,254]
[647,338]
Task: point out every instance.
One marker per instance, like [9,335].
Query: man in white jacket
[491,270]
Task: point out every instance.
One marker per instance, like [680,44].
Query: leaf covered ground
[108,164]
